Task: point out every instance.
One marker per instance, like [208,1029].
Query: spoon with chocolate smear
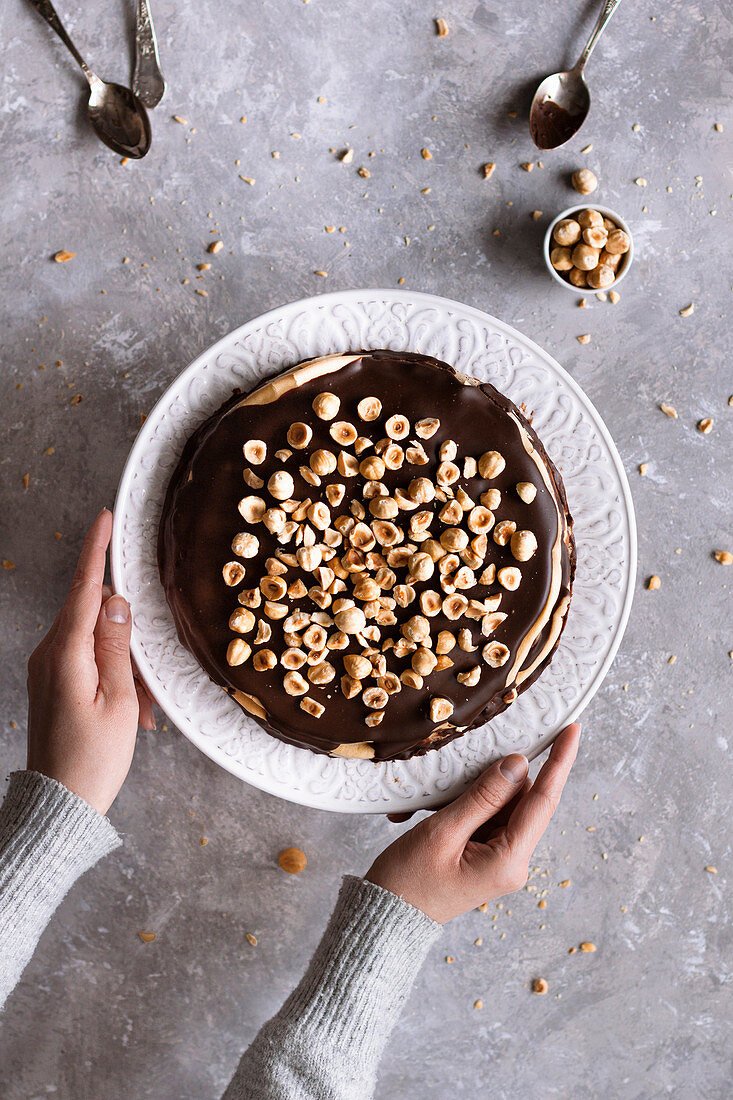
[562,101]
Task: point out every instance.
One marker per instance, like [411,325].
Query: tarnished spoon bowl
[118,117]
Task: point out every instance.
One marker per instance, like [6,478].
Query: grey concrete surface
[100,1015]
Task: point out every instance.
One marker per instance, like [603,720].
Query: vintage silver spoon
[562,101]
[116,114]
[147,81]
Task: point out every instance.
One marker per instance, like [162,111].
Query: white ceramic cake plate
[577,441]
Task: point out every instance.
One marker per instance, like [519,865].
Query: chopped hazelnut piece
[653,583]
[509,577]
[724,557]
[495,654]
[705,426]
[310,706]
[255,451]
[440,708]
[233,573]
[470,678]
[669,410]
[294,683]
[539,985]
[299,435]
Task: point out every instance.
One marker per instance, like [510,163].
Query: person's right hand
[479,847]
[84,703]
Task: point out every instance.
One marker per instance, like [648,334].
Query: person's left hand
[84,703]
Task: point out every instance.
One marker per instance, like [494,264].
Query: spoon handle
[147,81]
[46,9]
[601,23]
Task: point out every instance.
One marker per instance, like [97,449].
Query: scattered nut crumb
[705,425]
[669,410]
[147,937]
[251,939]
[215,246]
[478,941]
[671,659]
[587,947]
[347,156]
[643,467]
[565,882]
[426,154]
[292,860]
[587,148]
[723,556]
[687,310]
[441,28]
[582,304]
[478,1004]
[204,841]
[364,172]
[640,181]
[248,179]
[528,166]
[323,274]
[718,127]
[653,583]
[180,121]
[539,985]
[63,256]
[614,296]
[584,339]
[8,564]
[76,399]
[536,215]
[711,870]
[449,959]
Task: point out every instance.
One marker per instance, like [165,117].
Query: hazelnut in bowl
[588,248]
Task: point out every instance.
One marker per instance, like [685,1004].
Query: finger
[112,649]
[496,824]
[145,706]
[82,605]
[532,815]
[484,798]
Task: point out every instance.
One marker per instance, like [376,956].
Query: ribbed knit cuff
[48,838]
[364,967]
[327,1039]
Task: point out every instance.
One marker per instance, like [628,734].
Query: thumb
[485,797]
[112,649]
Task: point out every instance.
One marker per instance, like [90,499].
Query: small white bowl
[571,212]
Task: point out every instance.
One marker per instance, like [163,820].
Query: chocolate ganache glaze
[402,577]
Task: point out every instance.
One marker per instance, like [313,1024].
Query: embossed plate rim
[282,786]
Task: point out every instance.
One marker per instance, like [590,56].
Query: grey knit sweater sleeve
[326,1041]
[48,838]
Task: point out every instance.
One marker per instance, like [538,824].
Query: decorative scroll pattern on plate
[576,440]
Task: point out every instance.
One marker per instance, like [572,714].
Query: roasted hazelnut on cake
[399,567]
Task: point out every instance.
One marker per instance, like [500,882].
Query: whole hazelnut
[585,257]
[566,233]
[600,277]
[596,236]
[299,435]
[618,242]
[588,218]
[561,259]
[610,259]
[369,408]
[326,405]
[584,181]
[577,277]
[281,485]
